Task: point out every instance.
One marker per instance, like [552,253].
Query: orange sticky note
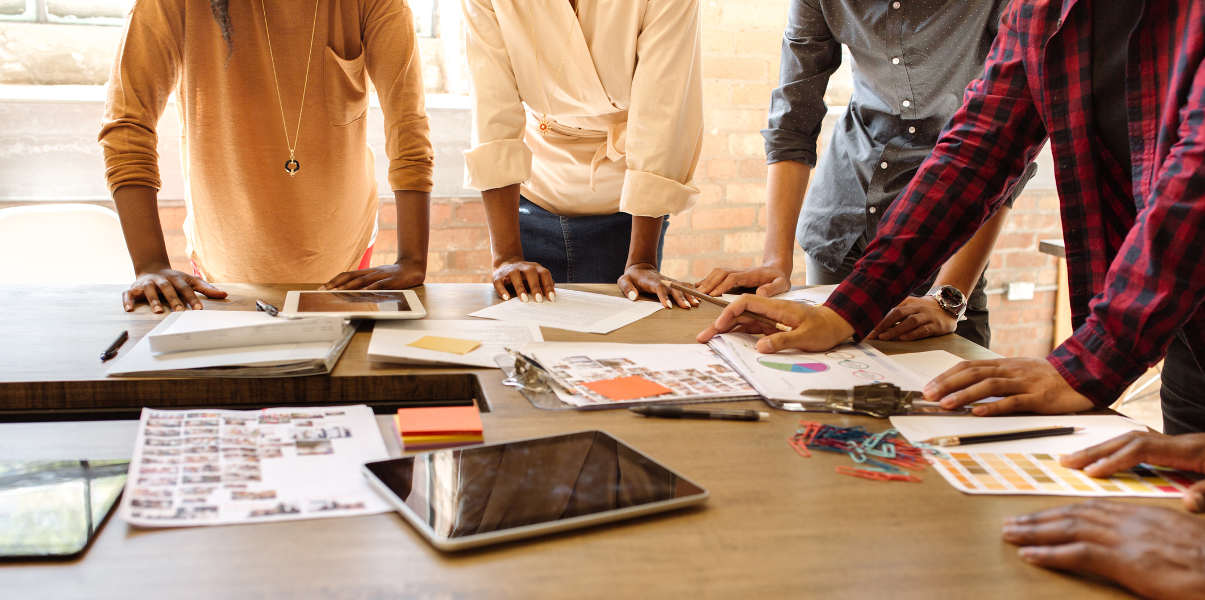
[445,344]
[628,388]
[438,420]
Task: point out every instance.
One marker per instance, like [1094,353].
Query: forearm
[646,233]
[786,182]
[502,218]
[964,269]
[138,209]
[413,226]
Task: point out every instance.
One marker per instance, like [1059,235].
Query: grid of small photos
[712,380]
[1041,474]
[194,467]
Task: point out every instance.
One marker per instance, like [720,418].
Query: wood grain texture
[776,525]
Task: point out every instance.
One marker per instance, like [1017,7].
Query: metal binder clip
[880,400]
[531,379]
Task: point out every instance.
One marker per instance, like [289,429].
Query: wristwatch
[951,300]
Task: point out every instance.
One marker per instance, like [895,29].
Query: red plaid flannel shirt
[1135,242]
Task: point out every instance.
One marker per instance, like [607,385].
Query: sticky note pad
[628,388]
[438,420]
[445,344]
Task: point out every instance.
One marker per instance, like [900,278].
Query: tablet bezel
[417,310]
[526,531]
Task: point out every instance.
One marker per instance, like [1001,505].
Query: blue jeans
[589,249]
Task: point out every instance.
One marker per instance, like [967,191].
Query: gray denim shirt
[912,59]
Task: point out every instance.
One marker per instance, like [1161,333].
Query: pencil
[689,291]
[1001,436]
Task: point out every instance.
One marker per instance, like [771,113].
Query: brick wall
[740,54]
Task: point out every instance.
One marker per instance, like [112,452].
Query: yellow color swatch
[445,344]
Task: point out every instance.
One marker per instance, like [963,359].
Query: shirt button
[895,61]
[883,165]
[896,5]
[873,210]
[911,130]
[906,104]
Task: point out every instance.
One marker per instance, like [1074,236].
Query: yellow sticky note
[445,344]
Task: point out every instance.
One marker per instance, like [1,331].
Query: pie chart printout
[793,367]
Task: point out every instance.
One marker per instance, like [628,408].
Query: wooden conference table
[776,525]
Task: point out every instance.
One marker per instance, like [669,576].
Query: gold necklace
[291,165]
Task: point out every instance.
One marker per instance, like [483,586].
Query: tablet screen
[463,492]
[53,508]
[354,301]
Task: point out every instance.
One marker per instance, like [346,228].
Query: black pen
[1000,436]
[678,412]
[111,351]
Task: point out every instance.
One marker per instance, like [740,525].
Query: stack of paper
[815,295]
[211,467]
[261,360]
[472,343]
[206,329]
[428,427]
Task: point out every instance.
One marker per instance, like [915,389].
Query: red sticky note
[441,420]
[628,388]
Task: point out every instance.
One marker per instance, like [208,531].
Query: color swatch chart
[1041,474]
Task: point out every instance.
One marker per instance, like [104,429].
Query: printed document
[220,467]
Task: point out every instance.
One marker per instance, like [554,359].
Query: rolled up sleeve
[665,117]
[498,156]
[144,74]
[810,55]
[396,70]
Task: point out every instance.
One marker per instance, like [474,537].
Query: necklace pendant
[292,166]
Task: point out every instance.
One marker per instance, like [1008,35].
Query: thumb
[779,341]
[1194,497]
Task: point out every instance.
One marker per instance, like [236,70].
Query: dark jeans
[1183,391]
[590,249]
[975,327]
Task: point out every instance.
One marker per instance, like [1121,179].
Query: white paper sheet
[211,467]
[263,361]
[927,365]
[573,310]
[206,329]
[692,371]
[814,295]
[1097,429]
[390,341]
[782,376]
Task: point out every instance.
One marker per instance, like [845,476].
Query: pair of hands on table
[167,288]
[913,319]
[531,280]
[1022,384]
[1155,552]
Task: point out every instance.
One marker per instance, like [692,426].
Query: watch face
[952,296]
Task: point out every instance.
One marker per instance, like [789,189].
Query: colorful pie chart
[793,367]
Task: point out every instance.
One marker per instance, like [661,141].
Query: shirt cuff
[497,164]
[650,195]
[785,144]
[128,174]
[852,301]
[410,176]
[1092,365]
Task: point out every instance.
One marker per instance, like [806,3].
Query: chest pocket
[345,87]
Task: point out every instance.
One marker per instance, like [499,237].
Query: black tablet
[467,497]
[53,509]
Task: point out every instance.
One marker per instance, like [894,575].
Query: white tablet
[468,497]
[354,304]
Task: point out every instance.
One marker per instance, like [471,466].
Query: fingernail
[505,297]
[552,296]
[523,297]
[539,297]
[632,295]
[929,387]
[668,305]
[1028,554]
[979,411]
[196,306]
